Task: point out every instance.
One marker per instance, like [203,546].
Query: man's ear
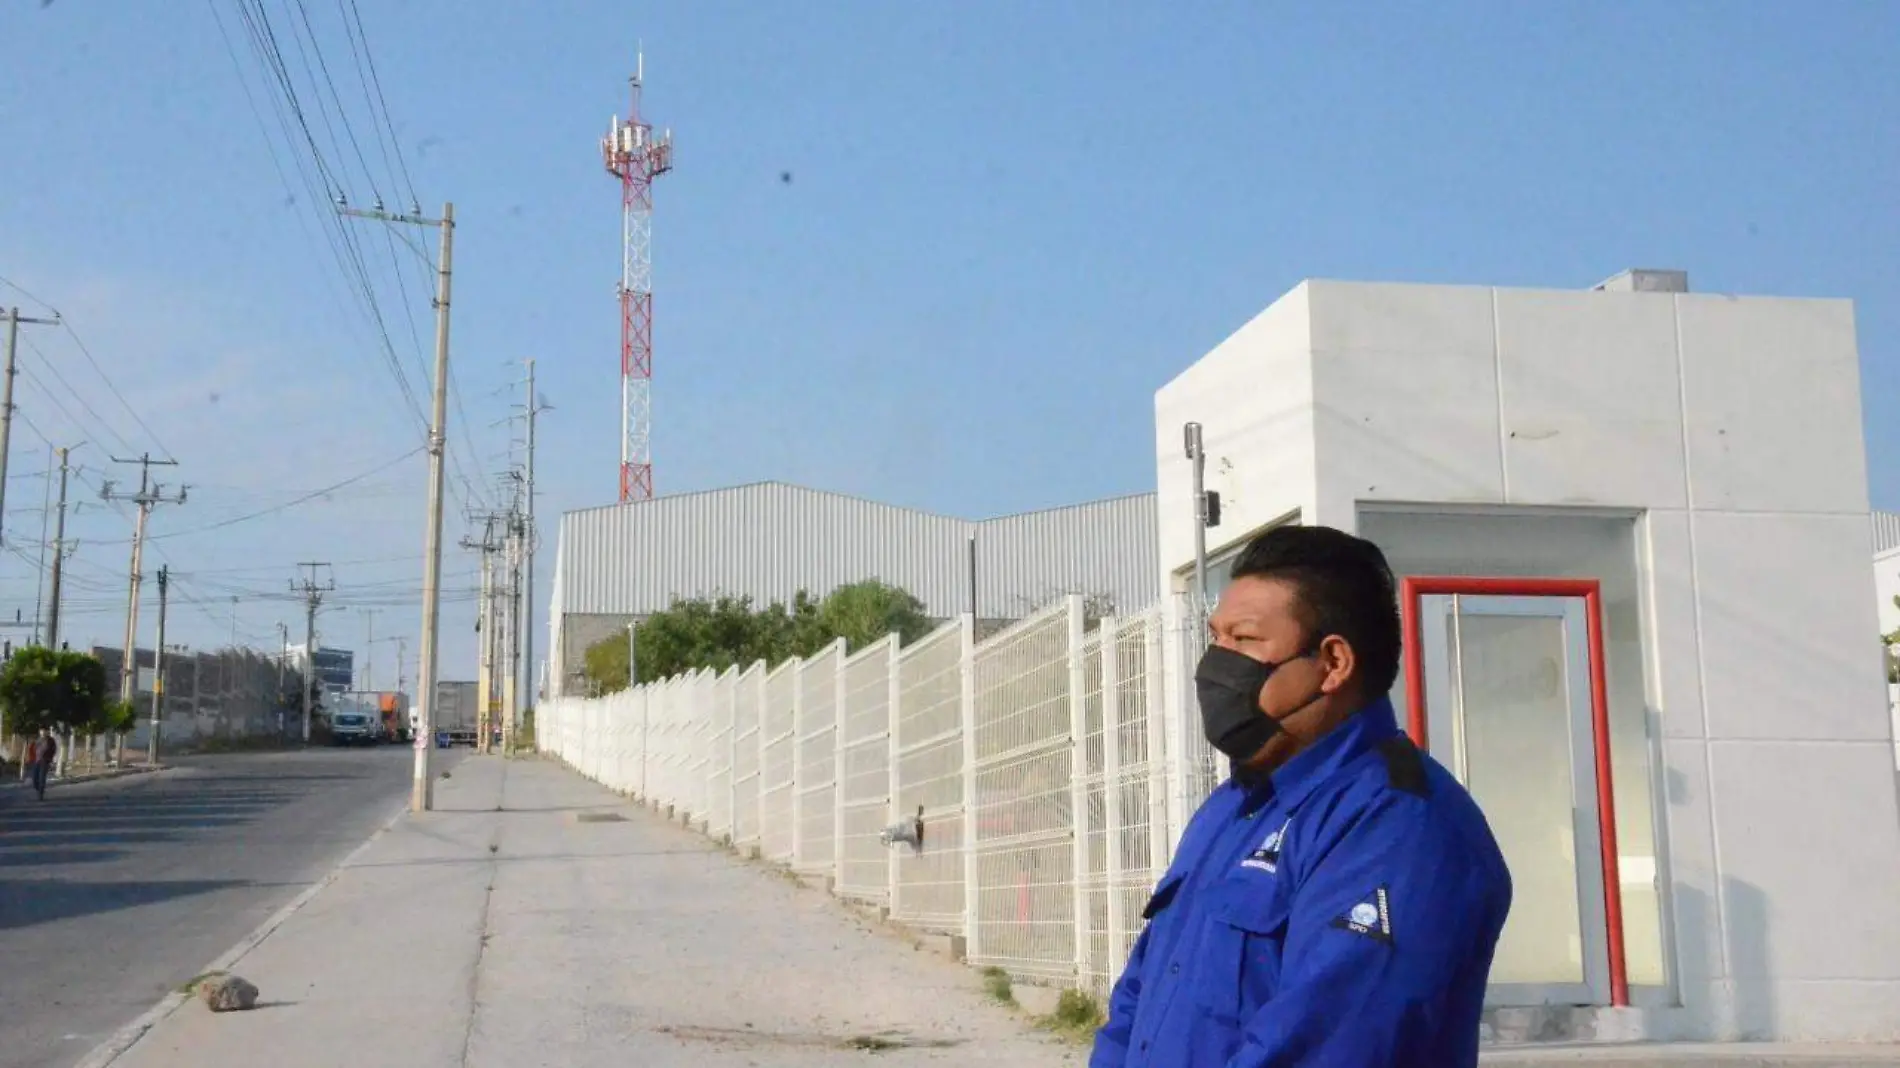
[1337,661]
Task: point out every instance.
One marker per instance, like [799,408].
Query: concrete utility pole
[46,520]
[158,670]
[510,678]
[313,598]
[59,552]
[485,673]
[283,655]
[422,786]
[149,494]
[369,650]
[535,407]
[14,319]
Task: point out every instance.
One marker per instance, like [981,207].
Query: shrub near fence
[1037,758]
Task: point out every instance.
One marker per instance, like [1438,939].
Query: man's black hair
[1343,586]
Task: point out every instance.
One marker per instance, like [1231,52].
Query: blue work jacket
[1340,912]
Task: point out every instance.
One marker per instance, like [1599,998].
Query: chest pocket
[1242,946]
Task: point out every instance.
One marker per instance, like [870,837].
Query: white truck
[355,726]
[453,714]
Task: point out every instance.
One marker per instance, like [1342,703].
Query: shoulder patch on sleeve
[1371,917]
[1404,766]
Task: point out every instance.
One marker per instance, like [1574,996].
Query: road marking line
[128,1036]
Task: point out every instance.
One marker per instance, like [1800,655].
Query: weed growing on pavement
[1077,1016]
[190,986]
[997,985]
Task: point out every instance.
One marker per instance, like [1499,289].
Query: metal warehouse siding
[768,539]
[1104,547]
[1886,531]
[771,539]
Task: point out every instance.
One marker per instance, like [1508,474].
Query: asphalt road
[114,893]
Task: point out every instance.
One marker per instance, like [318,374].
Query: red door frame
[1412,591]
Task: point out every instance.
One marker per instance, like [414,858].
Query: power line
[273,510]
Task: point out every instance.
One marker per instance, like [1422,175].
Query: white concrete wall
[1732,425]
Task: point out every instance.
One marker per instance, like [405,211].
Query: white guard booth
[1632,529]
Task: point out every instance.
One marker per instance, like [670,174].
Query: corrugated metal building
[769,540]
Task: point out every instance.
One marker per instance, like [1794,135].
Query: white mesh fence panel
[928,889]
[1045,826]
[1025,796]
[864,773]
[778,762]
[745,758]
[817,791]
[719,755]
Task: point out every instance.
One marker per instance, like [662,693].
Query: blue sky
[1006,224]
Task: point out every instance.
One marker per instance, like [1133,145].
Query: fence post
[1109,633]
[894,772]
[966,705]
[798,751]
[839,719]
[1078,781]
[732,758]
[758,795]
[1160,832]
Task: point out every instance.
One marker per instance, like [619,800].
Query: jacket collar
[1361,733]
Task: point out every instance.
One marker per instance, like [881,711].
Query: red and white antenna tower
[636,157]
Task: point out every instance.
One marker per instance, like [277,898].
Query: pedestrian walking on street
[40,754]
[1337,901]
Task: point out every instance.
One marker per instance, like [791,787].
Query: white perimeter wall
[1733,427]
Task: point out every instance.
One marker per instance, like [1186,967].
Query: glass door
[1508,710]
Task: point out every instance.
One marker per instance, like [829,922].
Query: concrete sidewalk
[506,930]
[502,929]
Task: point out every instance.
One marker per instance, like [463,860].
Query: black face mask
[1228,685]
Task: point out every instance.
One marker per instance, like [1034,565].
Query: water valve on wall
[910,832]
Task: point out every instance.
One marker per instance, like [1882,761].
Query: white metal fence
[1047,782]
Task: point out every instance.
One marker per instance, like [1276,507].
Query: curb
[97,776]
[128,1036]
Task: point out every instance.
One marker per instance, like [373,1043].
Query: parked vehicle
[453,715]
[395,727]
[355,728]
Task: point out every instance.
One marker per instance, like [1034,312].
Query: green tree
[115,717]
[723,632]
[47,688]
[864,612]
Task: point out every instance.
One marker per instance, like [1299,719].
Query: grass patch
[190,986]
[997,985]
[1077,1017]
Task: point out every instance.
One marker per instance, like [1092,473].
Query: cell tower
[636,157]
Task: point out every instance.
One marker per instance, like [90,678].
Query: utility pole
[485,632]
[422,786]
[535,407]
[313,598]
[149,494]
[369,650]
[59,552]
[283,655]
[46,519]
[510,678]
[14,319]
[158,671]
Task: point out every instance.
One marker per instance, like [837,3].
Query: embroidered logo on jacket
[1267,857]
[1371,917]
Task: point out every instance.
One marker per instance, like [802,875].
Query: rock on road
[114,893]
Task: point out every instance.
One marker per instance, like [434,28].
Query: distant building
[768,540]
[335,668]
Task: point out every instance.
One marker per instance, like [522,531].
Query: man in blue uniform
[1335,903]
